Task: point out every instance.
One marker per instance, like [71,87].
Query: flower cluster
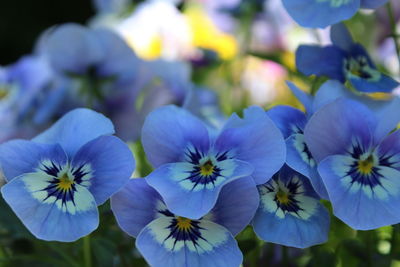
[184,170]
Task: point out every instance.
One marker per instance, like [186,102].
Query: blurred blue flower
[344,60]
[322,13]
[100,65]
[290,213]
[165,239]
[194,162]
[358,155]
[159,83]
[57,180]
[25,90]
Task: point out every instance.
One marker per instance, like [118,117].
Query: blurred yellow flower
[207,36]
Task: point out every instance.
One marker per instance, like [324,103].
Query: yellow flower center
[365,166]
[65,183]
[282,196]
[3,93]
[207,168]
[183,224]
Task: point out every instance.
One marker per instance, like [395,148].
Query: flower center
[3,93]
[65,182]
[365,166]
[282,197]
[183,224]
[207,168]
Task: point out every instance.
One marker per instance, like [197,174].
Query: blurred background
[213,57]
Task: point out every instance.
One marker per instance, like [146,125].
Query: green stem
[285,256]
[86,251]
[394,241]
[395,35]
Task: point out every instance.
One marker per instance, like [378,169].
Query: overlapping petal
[20,156]
[75,129]
[168,131]
[264,149]
[111,165]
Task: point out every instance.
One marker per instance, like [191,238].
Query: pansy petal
[389,150]
[264,149]
[361,206]
[47,216]
[290,213]
[291,231]
[20,156]
[212,246]
[304,98]
[110,164]
[71,48]
[299,158]
[321,61]
[135,206]
[341,36]
[83,123]
[236,205]
[288,119]
[320,14]
[168,130]
[328,92]
[334,128]
[193,198]
[387,113]
[382,83]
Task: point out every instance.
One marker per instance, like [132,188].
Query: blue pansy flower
[322,13]
[56,181]
[358,160]
[165,239]
[290,212]
[343,61]
[193,163]
[292,121]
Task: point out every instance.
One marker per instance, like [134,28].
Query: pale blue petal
[334,127]
[291,231]
[75,129]
[288,119]
[264,148]
[328,92]
[360,206]
[48,218]
[304,224]
[111,164]
[190,199]
[168,131]
[388,117]
[20,156]
[216,248]
[71,48]
[304,98]
[135,206]
[236,205]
